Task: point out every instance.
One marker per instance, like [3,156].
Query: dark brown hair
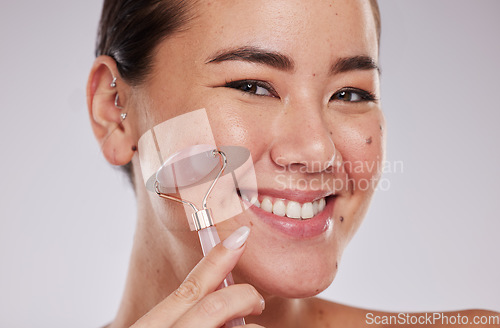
[130,31]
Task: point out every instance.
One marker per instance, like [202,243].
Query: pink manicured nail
[237,238]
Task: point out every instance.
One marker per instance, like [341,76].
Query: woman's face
[296,83]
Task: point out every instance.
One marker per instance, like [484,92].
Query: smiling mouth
[287,208]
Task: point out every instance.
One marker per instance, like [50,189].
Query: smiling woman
[297,84]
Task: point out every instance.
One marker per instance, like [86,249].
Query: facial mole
[336,265]
[369,140]
[341,219]
[314,74]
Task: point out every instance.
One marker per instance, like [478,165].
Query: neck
[281,312]
[157,266]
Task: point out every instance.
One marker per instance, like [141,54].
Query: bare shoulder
[330,314]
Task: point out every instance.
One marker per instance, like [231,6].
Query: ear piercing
[116,102]
[123,116]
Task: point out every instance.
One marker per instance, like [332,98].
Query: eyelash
[240,85]
[365,96]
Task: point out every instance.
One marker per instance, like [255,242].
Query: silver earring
[123,116]
[116,102]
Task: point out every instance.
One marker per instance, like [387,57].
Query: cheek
[360,142]
[233,126]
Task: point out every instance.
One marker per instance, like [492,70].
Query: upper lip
[297,195]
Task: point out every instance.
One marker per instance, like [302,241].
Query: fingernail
[262,304]
[237,238]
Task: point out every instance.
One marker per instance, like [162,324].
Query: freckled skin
[297,127]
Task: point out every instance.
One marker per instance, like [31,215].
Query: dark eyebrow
[354,63]
[285,63]
[254,55]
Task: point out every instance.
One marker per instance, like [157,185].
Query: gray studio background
[429,243]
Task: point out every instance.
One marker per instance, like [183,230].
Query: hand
[197,303]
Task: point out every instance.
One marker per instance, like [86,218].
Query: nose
[302,138]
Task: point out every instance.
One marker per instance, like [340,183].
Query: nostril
[314,150]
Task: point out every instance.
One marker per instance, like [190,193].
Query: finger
[202,280]
[223,305]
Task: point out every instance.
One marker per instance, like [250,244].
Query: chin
[289,274]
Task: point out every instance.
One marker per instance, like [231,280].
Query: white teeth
[267,205]
[307,211]
[315,207]
[255,201]
[293,210]
[279,208]
[321,205]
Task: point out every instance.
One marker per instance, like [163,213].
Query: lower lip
[299,229]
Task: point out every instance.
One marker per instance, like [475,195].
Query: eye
[353,95]
[258,88]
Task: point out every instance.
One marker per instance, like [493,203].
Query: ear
[111,131]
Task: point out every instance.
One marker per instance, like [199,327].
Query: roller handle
[208,239]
